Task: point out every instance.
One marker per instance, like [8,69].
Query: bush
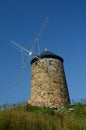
[40,110]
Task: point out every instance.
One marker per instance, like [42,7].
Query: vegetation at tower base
[72,117]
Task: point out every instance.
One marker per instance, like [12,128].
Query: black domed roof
[47,54]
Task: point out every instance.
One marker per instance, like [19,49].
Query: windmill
[48,83]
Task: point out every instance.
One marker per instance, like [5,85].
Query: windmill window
[50,63]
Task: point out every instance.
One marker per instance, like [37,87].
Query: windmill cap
[47,54]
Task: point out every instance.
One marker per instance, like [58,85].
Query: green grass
[37,118]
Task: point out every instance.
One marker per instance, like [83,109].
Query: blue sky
[64,35]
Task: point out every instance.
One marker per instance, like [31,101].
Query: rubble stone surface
[48,84]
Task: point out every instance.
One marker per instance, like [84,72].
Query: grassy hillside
[71,117]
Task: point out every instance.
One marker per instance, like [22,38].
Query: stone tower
[48,85]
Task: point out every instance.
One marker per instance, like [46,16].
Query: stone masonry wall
[48,85]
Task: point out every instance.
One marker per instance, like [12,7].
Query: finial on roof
[46,49]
